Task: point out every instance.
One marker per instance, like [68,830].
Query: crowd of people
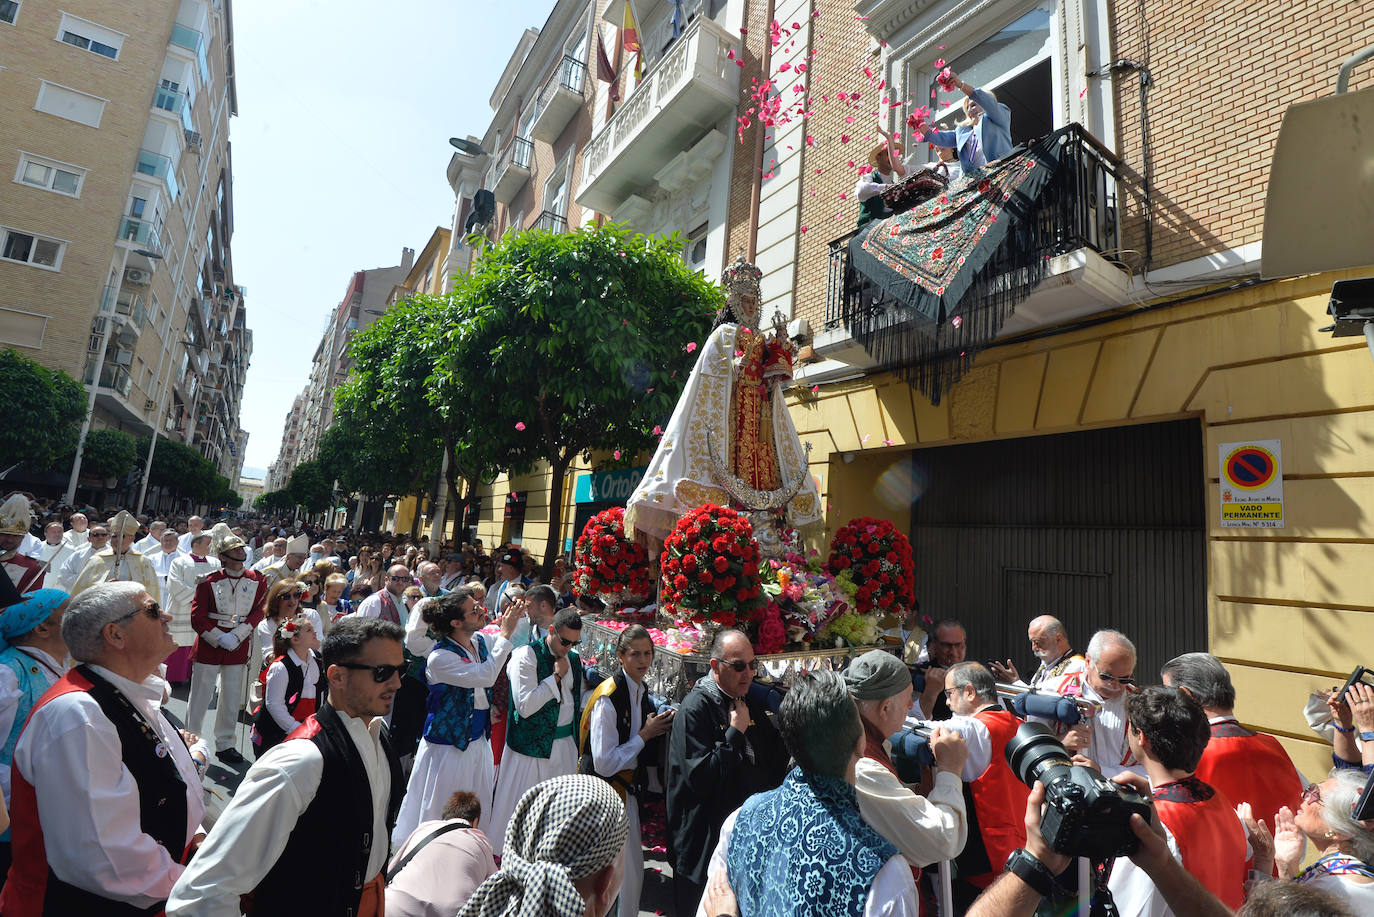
[428,741]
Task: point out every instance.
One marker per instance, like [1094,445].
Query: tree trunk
[415,520]
[559,468]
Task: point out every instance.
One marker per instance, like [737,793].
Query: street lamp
[99,368]
[467,147]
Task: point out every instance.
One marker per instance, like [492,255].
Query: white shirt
[1107,745]
[371,607]
[184,543]
[149,544]
[893,893]
[183,576]
[89,807]
[31,547]
[72,566]
[274,696]
[267,560]
[251,834]
[925,829]
[976,737]
[51,669]
[444,667]
[76,539]
[162,563]
[609,757]
[530,695]
[418,640]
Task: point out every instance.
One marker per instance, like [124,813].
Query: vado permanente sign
[1251,484]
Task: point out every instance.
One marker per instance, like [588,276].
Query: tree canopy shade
[108,453]
[560,344]
[274,501]
[43,415]
[309,488]
[186,473]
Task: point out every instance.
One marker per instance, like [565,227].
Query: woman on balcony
[984,135]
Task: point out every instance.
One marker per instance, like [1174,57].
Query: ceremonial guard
[119,563]
[227,606]
[15,516]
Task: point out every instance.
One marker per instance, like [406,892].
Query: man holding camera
[926,829]
[947,646]
[995,797]
[1167,732]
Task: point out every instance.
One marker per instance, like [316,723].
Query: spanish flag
[629,38]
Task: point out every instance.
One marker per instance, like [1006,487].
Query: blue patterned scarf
[803,850]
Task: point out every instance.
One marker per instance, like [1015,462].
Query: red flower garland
[710,568]
[880,563]
[608,563]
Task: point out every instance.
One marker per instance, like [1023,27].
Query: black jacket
[710,775]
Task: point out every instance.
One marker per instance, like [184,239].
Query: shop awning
[925,290]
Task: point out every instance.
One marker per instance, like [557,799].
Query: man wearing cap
[194,526]
[15,516]
[119,562]
[226,607]
[185,573]
[510,566]
[292,563]
[32,658]
[926,829]
[107,798]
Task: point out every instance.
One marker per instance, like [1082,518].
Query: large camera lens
[1034,750]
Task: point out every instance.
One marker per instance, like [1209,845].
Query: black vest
[321,871]
[268,732]
[161,799]
[650,753]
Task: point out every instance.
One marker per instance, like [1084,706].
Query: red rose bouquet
[609,565]
[878,560]
[710,568]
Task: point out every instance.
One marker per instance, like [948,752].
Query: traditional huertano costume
[1246,766]
[224,611]
[455,749]
[25,572]
[110,566]
[612,749]
[289,697]
[106,800]
[539,741]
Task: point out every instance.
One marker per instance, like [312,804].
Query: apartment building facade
[116,262]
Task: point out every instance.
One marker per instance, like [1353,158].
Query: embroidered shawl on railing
[928,288]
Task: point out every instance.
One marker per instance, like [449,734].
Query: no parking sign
[1251,484]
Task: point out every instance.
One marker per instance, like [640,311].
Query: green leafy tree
[108,453]
[275,501]
[309,488]
[43,418]
[356,459]
[561,344]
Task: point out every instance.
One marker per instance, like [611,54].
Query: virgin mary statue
[731,440]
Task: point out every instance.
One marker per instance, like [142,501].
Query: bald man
[1050,643]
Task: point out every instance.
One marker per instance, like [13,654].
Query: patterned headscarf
[563,829]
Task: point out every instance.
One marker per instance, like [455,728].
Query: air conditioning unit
[123,357]
[149,404]
[136,276]
[193,141]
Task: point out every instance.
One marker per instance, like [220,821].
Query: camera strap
[1103,904]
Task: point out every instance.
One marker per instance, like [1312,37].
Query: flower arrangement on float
[609,566]
[710,570]
[873,561]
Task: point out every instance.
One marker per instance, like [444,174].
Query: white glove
[229,642]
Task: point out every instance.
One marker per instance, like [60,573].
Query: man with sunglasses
[722,749]
[107,798]
[306,831]
[1108,679]
[545,706]
[225,609]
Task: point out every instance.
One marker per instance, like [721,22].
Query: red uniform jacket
[223,603]
[1209,836]
[1247,766]
[26,573]
[999,797]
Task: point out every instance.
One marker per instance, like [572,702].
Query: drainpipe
[757,191]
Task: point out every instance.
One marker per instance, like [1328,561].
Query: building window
[9,11]
[89,36]
[556,188]
[27,248]
[70,104]
[50,174]
[696,249]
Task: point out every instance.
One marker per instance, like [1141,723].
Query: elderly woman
[1345,868]
[984,135]
[562,855]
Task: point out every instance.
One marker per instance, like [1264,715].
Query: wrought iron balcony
[512,169]
[551,221]
[559,100]
[1063,264]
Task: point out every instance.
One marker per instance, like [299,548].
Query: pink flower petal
[803,229]
[616,453]
[866,437]
[815,389]
[520,426]
[691,346]
[658,431]
[888,442]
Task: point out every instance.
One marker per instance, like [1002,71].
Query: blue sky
[345,110]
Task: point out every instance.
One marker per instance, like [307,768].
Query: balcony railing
[114,377]
[158,166]
[552,221]
[139,231]
[513,169]
[188,38]
[559,100]
[1077,211]
[682,96]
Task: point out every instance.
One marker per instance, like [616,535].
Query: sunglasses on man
[380,673]
[739,665]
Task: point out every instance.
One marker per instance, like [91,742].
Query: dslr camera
[911,750]
[1085,814]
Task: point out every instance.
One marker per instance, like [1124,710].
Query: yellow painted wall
[1289,610]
